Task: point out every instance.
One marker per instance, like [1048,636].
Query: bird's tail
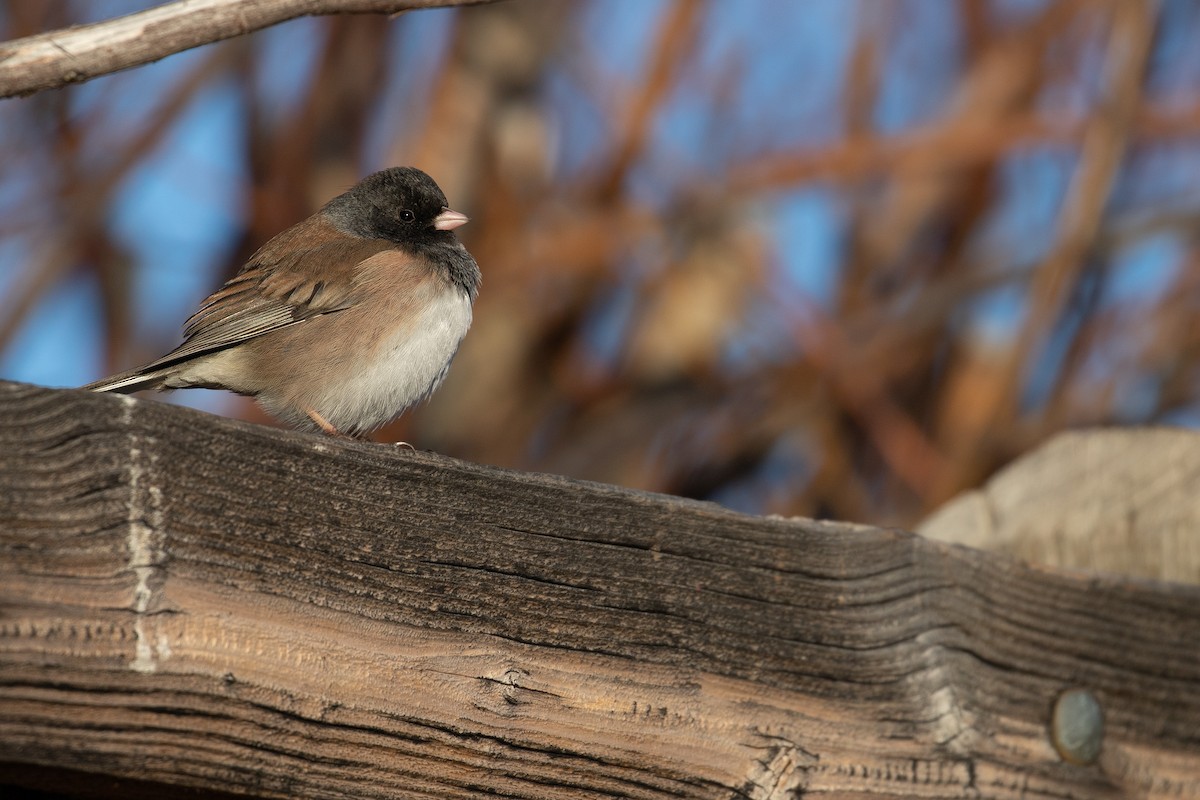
[133,380]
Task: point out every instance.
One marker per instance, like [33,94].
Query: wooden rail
[189,601]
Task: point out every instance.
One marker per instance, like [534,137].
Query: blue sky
[177,213]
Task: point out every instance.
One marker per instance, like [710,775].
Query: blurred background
[832,258]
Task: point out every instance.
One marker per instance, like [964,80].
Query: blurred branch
[1104,143]
[676,40]
[82,211]
[57,58]
[865,396]
[944,147]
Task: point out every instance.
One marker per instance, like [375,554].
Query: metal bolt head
[1077,726]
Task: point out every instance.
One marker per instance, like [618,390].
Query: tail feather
[133,380]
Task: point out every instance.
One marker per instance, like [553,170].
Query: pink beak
[449,219]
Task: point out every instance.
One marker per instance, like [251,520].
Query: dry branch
[195,601]
[77,54]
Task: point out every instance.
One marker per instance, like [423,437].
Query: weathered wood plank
[200,602]
[1119,500]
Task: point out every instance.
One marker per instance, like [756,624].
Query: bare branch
[55,59]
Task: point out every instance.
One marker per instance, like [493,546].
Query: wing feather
[304,272]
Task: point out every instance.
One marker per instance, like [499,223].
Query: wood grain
[199,602]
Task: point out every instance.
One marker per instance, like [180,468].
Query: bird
[340,322]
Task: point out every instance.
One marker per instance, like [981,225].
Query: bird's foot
[323,423]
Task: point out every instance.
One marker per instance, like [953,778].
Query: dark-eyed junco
[340,322]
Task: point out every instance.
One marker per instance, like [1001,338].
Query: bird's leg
[322,422]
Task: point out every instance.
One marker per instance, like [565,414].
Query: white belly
[401,371]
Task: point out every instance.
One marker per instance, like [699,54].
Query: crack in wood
[783,772]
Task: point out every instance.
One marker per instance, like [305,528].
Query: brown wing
[305,271]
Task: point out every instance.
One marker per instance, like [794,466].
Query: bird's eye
[407,215]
